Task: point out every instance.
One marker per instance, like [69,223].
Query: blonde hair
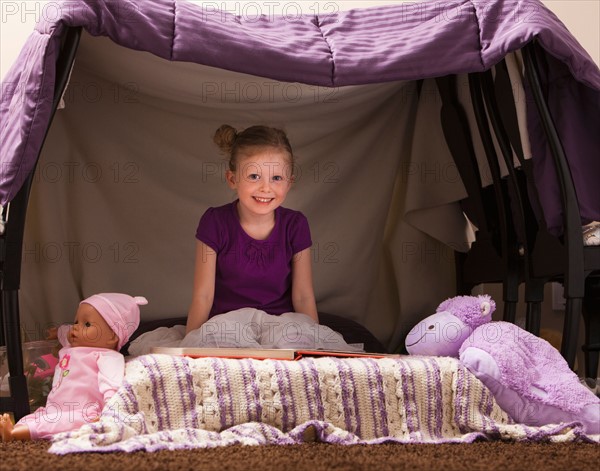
[233,143]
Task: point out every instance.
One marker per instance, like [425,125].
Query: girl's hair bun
[233,143]
[225,137]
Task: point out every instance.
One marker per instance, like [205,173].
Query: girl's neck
[257,226]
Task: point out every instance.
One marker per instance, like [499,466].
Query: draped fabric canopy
[128,166]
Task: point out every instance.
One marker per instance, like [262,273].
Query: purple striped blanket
[172,402]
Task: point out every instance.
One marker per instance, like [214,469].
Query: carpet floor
[484,456]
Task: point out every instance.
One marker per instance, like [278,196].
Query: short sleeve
[208,230]
[299,233]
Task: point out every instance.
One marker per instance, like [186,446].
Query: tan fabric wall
[129,167]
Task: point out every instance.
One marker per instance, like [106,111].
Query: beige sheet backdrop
[129,167]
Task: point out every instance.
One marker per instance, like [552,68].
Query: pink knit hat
[120,311]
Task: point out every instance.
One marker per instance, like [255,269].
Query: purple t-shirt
[253,273]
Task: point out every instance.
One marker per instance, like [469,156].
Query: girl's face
[91,330]
[262,180]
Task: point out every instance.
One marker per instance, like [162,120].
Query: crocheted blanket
[170,402]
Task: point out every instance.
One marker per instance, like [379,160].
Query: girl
[253,252]
[89,371]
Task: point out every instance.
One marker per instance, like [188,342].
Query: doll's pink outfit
[86,377]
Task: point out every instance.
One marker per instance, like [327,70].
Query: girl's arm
[303,295]
[204,286]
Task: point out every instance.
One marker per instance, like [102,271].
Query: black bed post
[11,247]
[574,279]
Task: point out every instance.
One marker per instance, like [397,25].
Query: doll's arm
[111,371]
[62,333]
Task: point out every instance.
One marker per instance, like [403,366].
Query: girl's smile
[263,200]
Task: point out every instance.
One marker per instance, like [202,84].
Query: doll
[90,368]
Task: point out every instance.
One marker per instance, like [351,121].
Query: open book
[261,353]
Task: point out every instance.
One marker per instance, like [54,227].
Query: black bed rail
[11,246]
[574,279]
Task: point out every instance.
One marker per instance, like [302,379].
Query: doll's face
[91,330]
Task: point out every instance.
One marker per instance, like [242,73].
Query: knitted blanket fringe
[170,402]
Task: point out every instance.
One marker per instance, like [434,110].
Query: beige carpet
[484,456]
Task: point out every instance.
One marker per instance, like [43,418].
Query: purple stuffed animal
[528,377]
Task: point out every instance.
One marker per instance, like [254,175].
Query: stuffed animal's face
[440,334]
[443,333]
